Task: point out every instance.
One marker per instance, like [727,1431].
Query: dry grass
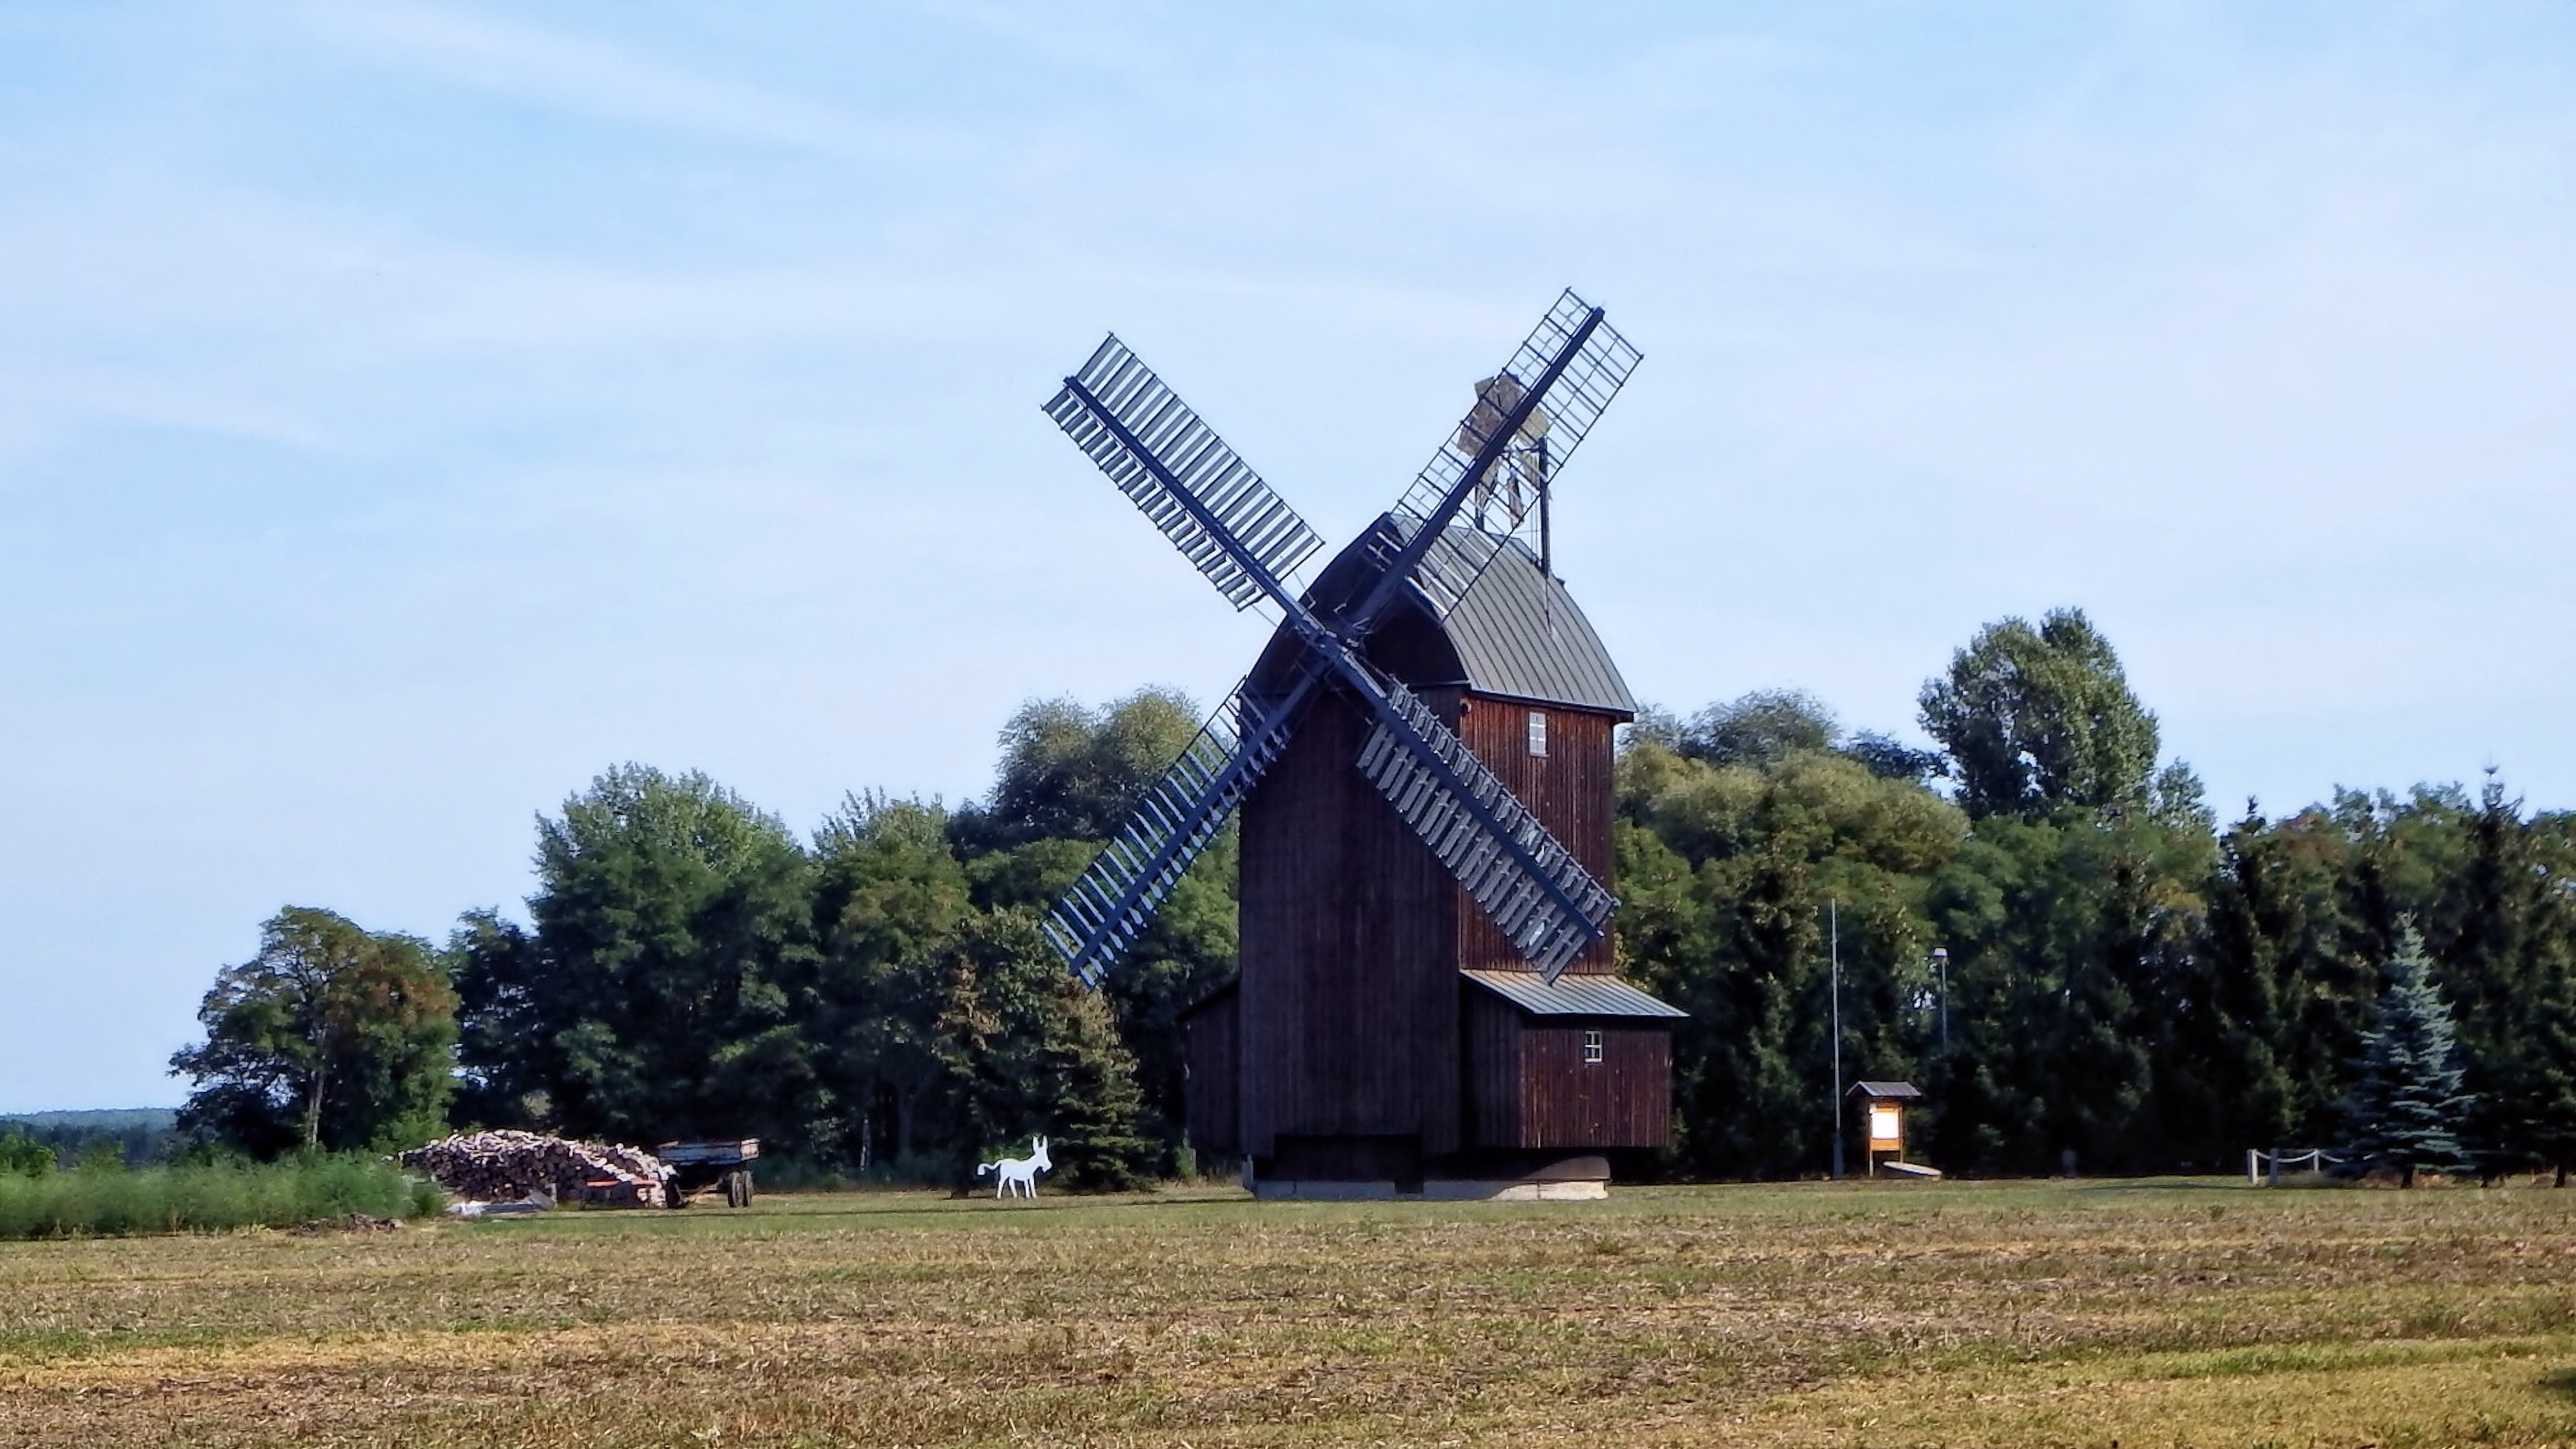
[2149,1314]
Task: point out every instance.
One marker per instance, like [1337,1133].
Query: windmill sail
[1527,883]
[1519,459]
[1207,501]
[1249,542]
[1113,902]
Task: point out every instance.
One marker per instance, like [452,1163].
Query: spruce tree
[2406,1107]
[1097,1114]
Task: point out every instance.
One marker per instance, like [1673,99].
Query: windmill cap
[1516,635]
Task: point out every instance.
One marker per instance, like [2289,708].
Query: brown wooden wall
[1493,1069]
[1570,790]
[1623,1100]
[1529,1087]
[1349,992]
[1210,1095]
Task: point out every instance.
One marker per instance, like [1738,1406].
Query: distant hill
[141,1135]
[113,1121]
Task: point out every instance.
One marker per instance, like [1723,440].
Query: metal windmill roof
[1517,634]
[1572,995]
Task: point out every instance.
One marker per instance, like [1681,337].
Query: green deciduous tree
[1069,777]
[1026,1050]
[331,1037]
[24,1155]
[2407,1104]
[1759,727]
[892,905]
[1072,773]
[653,997]
[1725,874]
[2036,720]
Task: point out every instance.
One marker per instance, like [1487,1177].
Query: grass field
[2143,1313]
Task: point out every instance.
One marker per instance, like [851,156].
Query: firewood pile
[504,1165]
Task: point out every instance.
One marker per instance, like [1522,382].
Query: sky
[408,411]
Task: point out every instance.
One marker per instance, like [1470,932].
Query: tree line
[2126,980]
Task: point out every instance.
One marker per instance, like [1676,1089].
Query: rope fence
[2262,1168]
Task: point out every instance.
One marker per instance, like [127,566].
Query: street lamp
[1941,964]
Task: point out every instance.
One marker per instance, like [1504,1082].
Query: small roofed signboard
[1883,1113]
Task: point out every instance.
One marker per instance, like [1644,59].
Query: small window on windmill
[1538,732]
[1592,1046]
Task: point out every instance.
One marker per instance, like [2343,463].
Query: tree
[1069,778]
[655,996]
[2552,1018]
[1025,1050]
[2507,978]
[2067,939]
[1725,874]
[1068,772]
[1759,727]
[22,1154]
[1891,759]
[331,1037]
[892,904]
[2036,720]
[2267,1012]
[2407,1101]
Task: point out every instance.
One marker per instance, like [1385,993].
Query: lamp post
[1834,968]
[1941,964]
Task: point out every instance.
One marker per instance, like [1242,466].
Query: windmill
[1425,994]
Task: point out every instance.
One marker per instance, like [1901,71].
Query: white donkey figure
[1018,1175]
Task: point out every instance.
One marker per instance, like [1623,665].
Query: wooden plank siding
[1348,1024]
[1570,790]
[1493,1068]
[1349,995]
[1528,1085]
[1623,1100]
[1211,1097]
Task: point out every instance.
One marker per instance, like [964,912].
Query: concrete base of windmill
[1573,1179]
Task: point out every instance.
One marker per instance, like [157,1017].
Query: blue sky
[408,410]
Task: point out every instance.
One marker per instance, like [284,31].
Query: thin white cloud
[590,77]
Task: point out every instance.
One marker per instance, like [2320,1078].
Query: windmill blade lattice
[1530,886]
[1249,543]
[1206,500]
[1116,897]
[1562,414]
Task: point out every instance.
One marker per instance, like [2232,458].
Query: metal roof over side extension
[1572,995]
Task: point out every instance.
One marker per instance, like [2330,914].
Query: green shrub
[24,1156]
[207,1197]
[104,1154]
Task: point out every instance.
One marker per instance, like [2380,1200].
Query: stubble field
[2145,1313]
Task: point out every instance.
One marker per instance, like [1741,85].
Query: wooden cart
[703,1169]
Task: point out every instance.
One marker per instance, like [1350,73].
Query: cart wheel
[745,1175]
[733,1190]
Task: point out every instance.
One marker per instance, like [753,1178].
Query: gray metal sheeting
[1520,635]
[1572,995]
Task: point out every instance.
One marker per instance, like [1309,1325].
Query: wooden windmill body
[1427,999]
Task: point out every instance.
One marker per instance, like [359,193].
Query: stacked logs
[503,1166]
